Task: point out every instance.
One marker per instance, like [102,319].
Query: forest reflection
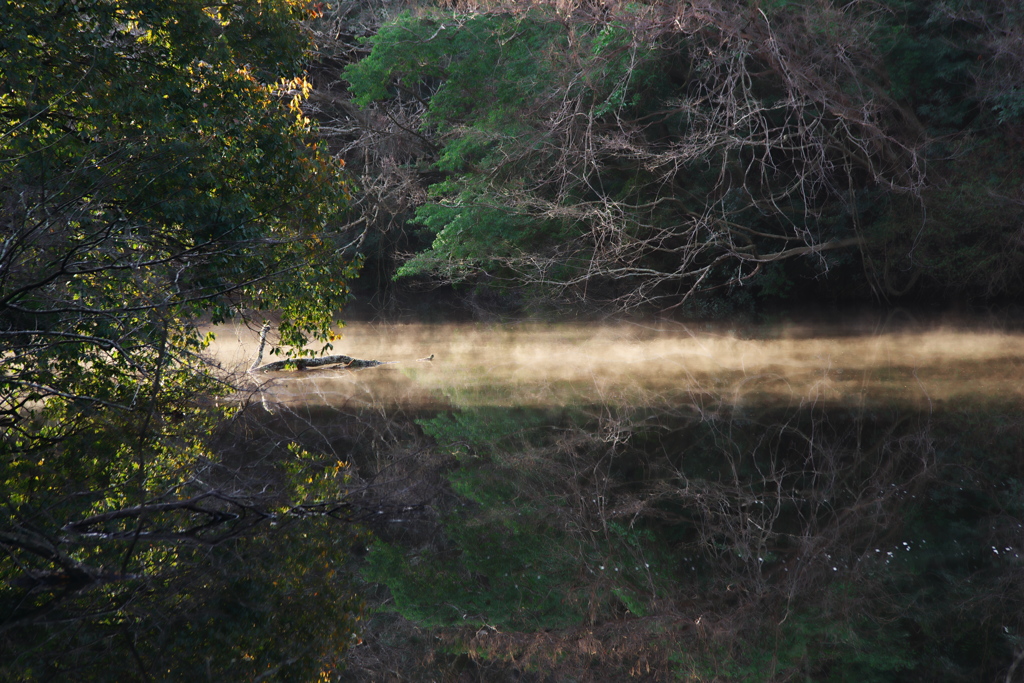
[690,503]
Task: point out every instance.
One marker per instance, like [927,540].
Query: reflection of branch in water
[786,498]
[213,517]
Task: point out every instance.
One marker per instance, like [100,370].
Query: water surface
[790,499]
[538,365]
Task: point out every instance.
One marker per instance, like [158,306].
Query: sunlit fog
[537,364]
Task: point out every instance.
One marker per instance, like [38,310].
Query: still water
[665,502]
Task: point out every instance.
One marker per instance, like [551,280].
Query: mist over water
[550,365]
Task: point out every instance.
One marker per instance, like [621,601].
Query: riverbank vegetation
[164,166]
[685,157]
[157,171]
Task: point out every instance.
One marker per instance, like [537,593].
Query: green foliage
[483,431]
[490,81]
[929,59]
[774,282]
[477,70]
[150,176]
[145,143]
[508,574]
[1010,105]
[471,233]
[813,646]
[961,234]
[156,171]
[615,158]
[278,605]
[509,561]
[523,549]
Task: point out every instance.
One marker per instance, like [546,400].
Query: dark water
[683,503]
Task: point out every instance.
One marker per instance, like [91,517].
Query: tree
[156,169]
[646,155]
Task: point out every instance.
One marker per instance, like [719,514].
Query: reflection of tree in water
[703,539]
[245,568]
[816,541]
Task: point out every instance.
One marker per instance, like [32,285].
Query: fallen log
[303,363]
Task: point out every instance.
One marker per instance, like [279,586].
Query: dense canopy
[156,172]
